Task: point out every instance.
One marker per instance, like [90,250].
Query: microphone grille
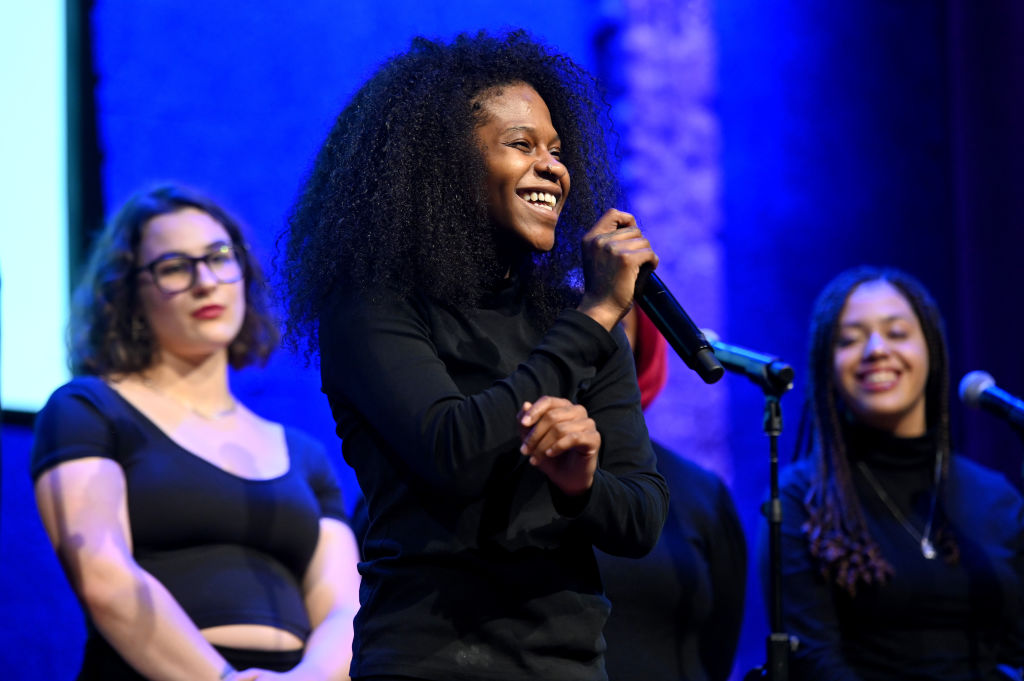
[972,385]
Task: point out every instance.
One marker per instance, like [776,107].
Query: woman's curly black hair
[108,334]
[836,530]
[396,197]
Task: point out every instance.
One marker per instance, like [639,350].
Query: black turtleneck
[932,619]
[474,566]
[903,468]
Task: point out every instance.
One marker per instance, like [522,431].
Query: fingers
[612,220]
[554,425]
[530,414]
[618,232]
[584,439]
[627,246]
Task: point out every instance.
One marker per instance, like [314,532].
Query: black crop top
[229,549]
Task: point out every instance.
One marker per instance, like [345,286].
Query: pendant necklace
[206,416]
[923,539]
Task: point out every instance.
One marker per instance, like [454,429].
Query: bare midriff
[252,637]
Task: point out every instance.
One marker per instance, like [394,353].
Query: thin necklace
[924,540]
[207,416]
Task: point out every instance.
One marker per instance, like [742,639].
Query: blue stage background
[764,146]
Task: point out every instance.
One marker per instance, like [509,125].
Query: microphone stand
[778,642]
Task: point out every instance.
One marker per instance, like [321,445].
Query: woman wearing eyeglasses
[199,537]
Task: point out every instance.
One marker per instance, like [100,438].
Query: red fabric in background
[651,358]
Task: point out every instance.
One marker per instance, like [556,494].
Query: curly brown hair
[107,332]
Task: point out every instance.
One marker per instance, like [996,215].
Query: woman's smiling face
[881,360]
[526,182]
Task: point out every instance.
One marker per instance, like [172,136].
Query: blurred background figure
[199,537]
[900,559]
[676,612]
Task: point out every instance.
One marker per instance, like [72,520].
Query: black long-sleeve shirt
[932,620]
[475,567]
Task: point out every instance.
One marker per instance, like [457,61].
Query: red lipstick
[208,312]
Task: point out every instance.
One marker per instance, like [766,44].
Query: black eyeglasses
[175,272]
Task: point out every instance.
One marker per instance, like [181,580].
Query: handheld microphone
[675,325]
[978,390]
[770,373]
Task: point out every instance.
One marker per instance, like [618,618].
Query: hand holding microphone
[611,250]
[614,251]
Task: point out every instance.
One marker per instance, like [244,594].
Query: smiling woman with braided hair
[900,559]
[484,390]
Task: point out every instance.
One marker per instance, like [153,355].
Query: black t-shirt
[474,566]
[230,550]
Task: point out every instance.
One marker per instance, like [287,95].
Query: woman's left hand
[562,441]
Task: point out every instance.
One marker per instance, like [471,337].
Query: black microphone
[675,325]
[770,373]
[978,390]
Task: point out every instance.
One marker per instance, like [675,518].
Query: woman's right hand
[614,250]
